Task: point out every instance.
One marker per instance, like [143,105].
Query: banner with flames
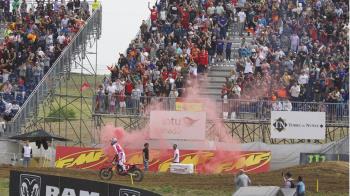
[160,160]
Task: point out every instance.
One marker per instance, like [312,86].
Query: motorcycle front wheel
[137,174]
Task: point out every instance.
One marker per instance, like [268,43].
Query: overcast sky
[121,21]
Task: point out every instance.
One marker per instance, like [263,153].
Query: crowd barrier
[229,109]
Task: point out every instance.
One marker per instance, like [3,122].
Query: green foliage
[60,114]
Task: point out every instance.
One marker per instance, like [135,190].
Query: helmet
[114,140]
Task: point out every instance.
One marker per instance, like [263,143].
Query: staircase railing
[60,67]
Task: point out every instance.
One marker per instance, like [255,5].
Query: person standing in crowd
[300,187]
[242,179]
[288,180]
[176,158]
[145,155]
[27,154]
[95,5]
[241,21]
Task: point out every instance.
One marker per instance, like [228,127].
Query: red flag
[85,86]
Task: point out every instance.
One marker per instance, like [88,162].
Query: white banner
[178,168]
[177,125]
[298,125]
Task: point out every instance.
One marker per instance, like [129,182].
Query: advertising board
[177,125]
[161,160]
[298,125]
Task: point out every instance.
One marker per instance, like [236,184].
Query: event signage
[177,125]
[34,184]
[191,107]
[306,158]
[298,125]
[161,160]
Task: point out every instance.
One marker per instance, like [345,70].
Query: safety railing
[60,67]
[228,109]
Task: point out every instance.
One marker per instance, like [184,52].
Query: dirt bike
[106,173]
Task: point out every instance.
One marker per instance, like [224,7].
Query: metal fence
[60,68]
[229,109]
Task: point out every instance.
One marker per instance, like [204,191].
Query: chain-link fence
[229,109]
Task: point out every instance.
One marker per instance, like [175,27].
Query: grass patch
[4,186]
[60,114]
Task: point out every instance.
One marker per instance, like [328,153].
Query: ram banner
[298,125]
[160,160]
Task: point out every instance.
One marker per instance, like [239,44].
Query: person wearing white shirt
[277,106]
[303,78]
[286,105]
[111,89]
[176,158]
[236,89]
[241,21]
[219,9]
[294,91]
[61,39]
[211,10]
[248,68]
[163,15]
[27,153]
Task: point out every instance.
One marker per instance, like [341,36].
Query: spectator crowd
[299,51]
[33,40]
[170,51]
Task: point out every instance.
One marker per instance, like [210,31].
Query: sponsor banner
[161,160]
[191,107]
[306,158]
[34,184]
[298,125]
[177,125]
[81,158]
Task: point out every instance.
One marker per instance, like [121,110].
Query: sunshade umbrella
[38,135]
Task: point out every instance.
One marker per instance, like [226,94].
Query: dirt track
[333,178]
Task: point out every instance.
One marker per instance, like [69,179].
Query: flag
[85,86]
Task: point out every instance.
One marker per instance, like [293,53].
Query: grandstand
[241,55]
[40,46]
[224,80]
[274,64]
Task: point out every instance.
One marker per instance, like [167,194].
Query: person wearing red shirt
[154,12]
[128,87]
[185,21]
[164,74]
[203,60]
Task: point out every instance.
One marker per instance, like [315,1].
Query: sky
[121,20]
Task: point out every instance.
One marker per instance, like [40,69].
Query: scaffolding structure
[60,90]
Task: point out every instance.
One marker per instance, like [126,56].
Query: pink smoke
[218,132]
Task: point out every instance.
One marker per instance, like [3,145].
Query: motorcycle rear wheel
[106,173]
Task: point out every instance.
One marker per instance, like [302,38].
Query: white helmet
[113,141]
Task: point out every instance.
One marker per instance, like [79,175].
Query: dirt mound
[333,179]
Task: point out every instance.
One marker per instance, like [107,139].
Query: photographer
[288,180]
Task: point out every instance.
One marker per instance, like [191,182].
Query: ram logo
[128,192]
[29,185]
